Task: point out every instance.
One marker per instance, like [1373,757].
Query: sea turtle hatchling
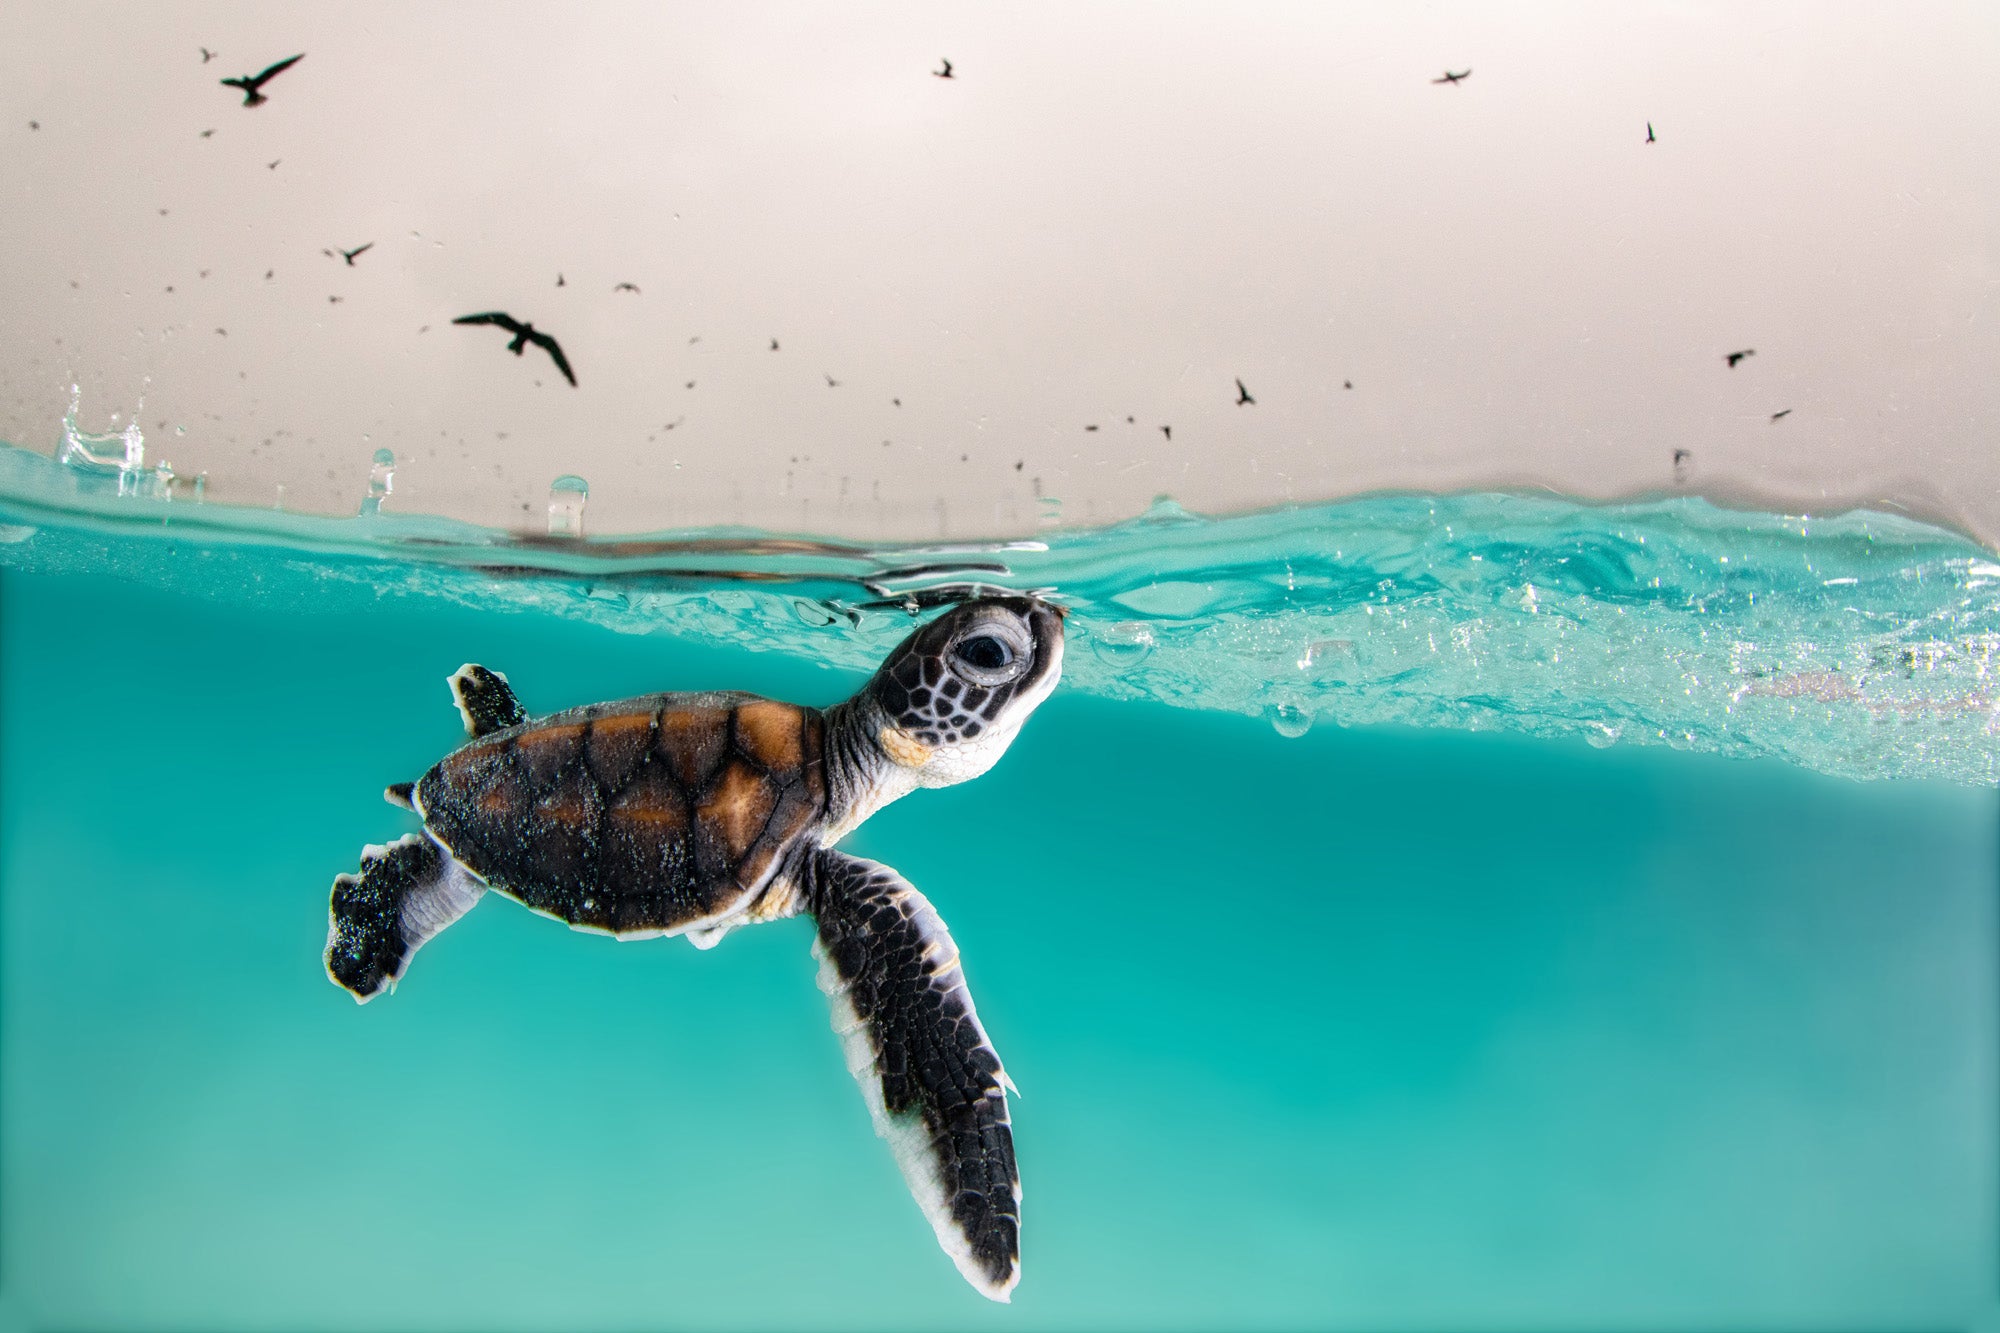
[692,814]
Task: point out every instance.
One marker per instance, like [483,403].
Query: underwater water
[1456,1015]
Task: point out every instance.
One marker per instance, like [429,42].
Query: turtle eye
[984,652]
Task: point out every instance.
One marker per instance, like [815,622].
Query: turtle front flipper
[932,1080]
[406,892]
[485,700]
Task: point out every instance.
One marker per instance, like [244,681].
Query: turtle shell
[647,816]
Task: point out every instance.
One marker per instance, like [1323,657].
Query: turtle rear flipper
[932,1080]
[406,892]
[485,700]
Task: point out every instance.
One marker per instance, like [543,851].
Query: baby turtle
[692,814]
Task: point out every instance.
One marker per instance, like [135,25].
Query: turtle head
[953,695]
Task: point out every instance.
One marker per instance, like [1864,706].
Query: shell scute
[655,814]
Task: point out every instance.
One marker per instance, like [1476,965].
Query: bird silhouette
[627,287]
[831,382]
[1649,132]
[1780,416]
[253,84]
[1167,431]
[944,73]
[1733,357]
[1243,398]
[1682,460]
[1450,77]
[523,335]
[206,55]
[774,344]
[349,255]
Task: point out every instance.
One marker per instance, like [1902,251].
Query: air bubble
[1327,656]
[1124,645]
[1289,720]
[381,480]
[567,497]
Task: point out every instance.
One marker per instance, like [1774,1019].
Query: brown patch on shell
[691,740]
[616,746]
[769,733]
[546,749]
[737,810]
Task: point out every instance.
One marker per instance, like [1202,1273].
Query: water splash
[120,454]
[381,481]
[1859,644]
[567,497]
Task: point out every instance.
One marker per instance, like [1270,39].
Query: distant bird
[206,55]
[1780,416]
[1167,431]
[523,335]
[1733,357]
[349,255]
[207,133]
[831,382]
[1681,460]
[1347,384]
[1450,77]
[944,73]
[272,165]
[774,344]
[1243,398]
[252,85]
[34,124]
[560,282]
[1649,132]
[1090,428]
[627,287]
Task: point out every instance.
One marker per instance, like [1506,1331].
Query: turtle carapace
[693,814]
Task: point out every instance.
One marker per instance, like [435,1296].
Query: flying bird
[252,85]
[1780,416]
[1167,431]
[831,382]
[1682,458]
[1733,357]
[944,73]
[349,255]
[1243,398]
[1649,132]
[206,55]
[1450,77]
[627,287]
[774,344]
[523,335]
[560,282]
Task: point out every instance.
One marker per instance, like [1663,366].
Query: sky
[1110,211]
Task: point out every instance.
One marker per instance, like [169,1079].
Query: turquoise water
[1465,1024]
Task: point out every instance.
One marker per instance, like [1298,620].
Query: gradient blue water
[1375,1028]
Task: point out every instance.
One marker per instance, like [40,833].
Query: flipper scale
[933,1082]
